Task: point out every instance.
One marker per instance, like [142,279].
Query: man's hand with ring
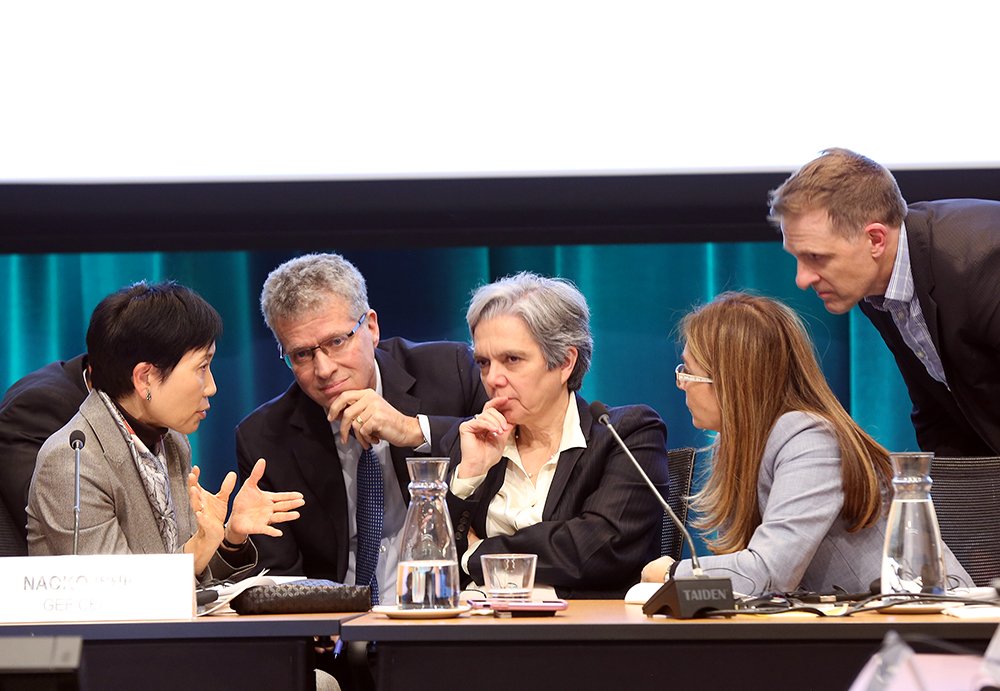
[373,419]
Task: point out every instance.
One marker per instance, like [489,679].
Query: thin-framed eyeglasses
[300,357]
[684,377]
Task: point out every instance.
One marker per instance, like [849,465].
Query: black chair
[966,495]
[681,468]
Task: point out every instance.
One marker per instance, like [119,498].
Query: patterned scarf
[153,471]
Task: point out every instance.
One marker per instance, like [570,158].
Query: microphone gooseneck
[600,413]
[683,597]
[77,439]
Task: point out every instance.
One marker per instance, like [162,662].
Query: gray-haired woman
[534,472]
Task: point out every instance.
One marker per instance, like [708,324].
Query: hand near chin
[373,419]
[483,439]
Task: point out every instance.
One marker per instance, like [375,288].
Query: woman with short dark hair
[150,348]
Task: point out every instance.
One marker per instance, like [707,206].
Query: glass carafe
[427,576]
[913,559]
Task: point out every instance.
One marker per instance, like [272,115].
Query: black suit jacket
[601,523]
[955,257]
[32,410]
[291,432]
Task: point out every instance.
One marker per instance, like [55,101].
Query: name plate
[99,587]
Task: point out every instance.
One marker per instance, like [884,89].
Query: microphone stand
[683,597]
[76,442]
[695,563]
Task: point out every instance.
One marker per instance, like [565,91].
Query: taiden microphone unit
[684,597]
[76,441]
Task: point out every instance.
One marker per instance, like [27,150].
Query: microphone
[684,597]
[205,596]
[76,441]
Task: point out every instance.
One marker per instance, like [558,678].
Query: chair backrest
[966,493]
[12,543]
[680,470]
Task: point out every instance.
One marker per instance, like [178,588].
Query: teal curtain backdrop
[637,293]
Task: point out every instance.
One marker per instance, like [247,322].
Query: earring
[149,396]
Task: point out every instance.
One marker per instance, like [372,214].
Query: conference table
[596,644]
[611,645]
[273,652]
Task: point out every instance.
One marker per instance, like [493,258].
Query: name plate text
[105,587]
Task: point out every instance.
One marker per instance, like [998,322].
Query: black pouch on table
[303,597]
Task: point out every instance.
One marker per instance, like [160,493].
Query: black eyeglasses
[300,357]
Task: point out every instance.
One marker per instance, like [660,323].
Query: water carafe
[427,576]
[913,559]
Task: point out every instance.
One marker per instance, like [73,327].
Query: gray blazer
[802,542]
[115,514]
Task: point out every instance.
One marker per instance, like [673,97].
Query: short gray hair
[306,283]
[554,311]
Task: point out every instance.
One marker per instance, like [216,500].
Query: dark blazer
[33,408]
[439,380]
[955,257]
[601,523]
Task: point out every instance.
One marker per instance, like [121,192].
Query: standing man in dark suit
[33,408]
[352,392]
[927,276]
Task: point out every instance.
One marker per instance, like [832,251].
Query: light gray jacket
[115,513]
[802,542]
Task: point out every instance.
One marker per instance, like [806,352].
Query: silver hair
[553,309]
[306,283]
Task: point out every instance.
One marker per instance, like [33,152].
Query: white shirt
[521,502]
[395,509]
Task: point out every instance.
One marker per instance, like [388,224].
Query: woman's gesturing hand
[256,511]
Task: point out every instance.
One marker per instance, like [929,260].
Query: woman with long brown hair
[797,493]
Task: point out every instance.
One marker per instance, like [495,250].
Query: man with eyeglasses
[353,393]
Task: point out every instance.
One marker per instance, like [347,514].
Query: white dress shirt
[395,509]
[521,500]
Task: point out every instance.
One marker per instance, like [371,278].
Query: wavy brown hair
[763,365]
